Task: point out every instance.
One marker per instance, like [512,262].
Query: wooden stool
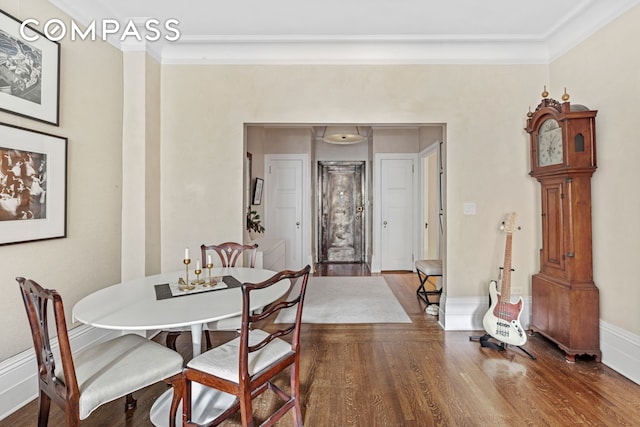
[428,268]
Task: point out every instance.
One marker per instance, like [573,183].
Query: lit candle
[209,259]
[186,253]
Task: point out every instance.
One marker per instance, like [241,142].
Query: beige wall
[91,118]
[484,108]
[396,140]
[602,73]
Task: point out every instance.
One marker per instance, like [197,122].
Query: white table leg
[206,404]
[196,339]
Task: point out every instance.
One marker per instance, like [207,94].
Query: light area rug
[334,299]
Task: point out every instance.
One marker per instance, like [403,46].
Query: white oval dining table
[132,305]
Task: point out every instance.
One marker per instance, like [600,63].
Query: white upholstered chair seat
[113,369]
[222,361]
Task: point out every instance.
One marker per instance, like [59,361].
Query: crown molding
[586,19]
[350,50]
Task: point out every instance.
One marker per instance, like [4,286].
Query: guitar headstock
[509,224]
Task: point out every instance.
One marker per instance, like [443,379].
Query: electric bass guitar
[502,321]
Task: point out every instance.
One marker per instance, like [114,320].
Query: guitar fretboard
[505,289]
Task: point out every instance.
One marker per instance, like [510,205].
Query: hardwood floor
[342,269]
[419,375]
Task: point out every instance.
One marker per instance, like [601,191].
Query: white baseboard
[620,348]
[18,374]
[465,314]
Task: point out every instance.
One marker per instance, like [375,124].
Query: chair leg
[177,382]
[45,405]
[186,401]
[171,340]
[207,339]
[72,416]
[129,403]
[295,393]
[246,412]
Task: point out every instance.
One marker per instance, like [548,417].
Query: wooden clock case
[565,300]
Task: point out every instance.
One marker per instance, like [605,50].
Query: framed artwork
[257,191]
[33,185]
[29,72]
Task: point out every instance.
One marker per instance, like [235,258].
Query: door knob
[384,223]
[298,225]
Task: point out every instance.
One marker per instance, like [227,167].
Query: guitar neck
[505,288]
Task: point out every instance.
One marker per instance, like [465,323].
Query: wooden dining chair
[224,254]
[245,366]
[97,375]
[228,254]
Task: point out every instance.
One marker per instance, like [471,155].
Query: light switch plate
[469,208]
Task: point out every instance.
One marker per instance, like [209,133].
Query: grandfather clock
[565,300]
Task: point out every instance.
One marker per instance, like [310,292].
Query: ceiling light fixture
[343,135]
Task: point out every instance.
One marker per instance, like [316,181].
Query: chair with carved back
[225,254]
[246,366]
[97,375]
[229,253]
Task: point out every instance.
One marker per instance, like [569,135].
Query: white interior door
[397,195]
[284,205]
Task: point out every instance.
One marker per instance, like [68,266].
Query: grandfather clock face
[550,143]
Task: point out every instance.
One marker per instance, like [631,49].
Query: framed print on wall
[33,185]
[29,72]
[257,191]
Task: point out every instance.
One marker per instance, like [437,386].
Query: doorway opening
[341,212]
[327,234]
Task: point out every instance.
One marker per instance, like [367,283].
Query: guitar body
[502,320]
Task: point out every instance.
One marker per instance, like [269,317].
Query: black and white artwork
[23,185]
[33,185]
[20,68]
[29,71]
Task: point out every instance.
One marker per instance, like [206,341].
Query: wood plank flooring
[418,375]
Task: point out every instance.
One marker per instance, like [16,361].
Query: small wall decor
[29,72]
[254,223]
[33,185]
[257,191]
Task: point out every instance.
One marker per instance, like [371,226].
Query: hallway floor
[342,269]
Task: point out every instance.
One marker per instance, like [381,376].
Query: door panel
[396,200]
[284,207]
[341,211]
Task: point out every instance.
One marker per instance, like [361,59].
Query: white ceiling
[358,31]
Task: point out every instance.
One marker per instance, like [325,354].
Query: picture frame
[33,185]
[257,191]
[29,72]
